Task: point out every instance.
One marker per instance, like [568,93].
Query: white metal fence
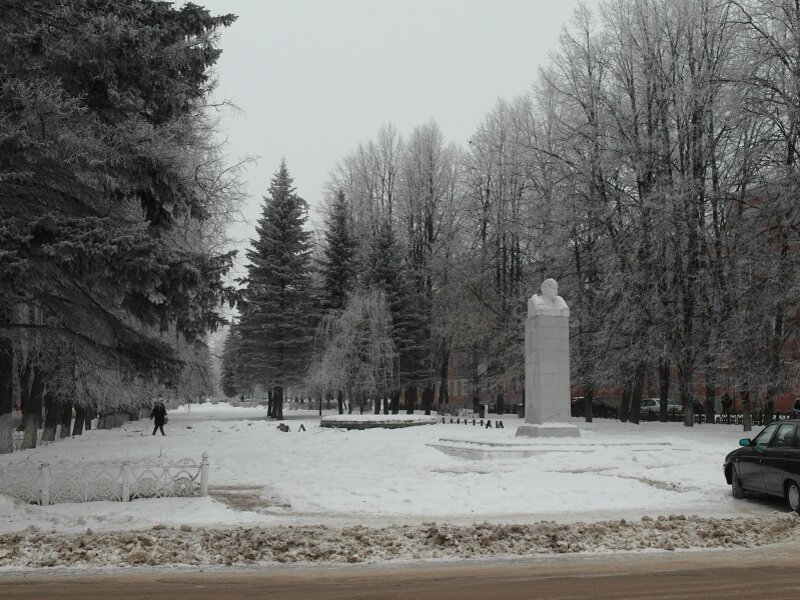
[67,481]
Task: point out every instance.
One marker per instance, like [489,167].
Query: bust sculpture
[548,303]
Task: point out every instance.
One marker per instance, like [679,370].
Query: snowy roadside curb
[162,546]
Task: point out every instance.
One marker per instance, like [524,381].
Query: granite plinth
[547,384]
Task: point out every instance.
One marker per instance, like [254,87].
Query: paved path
[762,573]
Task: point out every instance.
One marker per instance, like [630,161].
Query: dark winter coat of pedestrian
[159,416]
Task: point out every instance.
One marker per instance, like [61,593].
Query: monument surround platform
[490,449]
[548,430]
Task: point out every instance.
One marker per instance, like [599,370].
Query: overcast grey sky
[315,77]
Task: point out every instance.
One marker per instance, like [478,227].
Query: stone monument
[547,389]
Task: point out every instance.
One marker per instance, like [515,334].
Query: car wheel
[793,496]
[736,486]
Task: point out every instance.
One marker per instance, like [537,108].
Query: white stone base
[559,430]
[489,449]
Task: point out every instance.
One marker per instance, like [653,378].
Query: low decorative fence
[757,418]
[67,481]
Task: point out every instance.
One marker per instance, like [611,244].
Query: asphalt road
[767,572]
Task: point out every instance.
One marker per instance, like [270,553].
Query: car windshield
[764,437]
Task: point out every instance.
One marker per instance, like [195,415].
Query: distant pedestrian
[159,416]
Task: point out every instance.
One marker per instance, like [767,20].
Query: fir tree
[386,270]
[103,128]
[337,265]
[231,378]
[277,324]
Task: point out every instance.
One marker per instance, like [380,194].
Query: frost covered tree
[232,378]
[106,169]
[356,353]
[386,270]
[338,263]
[652,170]
[278,318]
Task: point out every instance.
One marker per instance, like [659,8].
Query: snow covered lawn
[262,476]
[266,480]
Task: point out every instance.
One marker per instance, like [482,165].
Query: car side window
[763,438]
[785,437]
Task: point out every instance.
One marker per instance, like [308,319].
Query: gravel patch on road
[164,546]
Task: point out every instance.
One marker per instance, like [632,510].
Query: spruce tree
[337,266]
[231,378]
[387,270]
[103,205]
[277,324]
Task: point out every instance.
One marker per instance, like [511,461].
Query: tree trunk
[710,401]
[51,417]
[636,393]
[396,401]
[411,399]
[588,400]
[340,401]
[32,407]
[769,406]
[625,406]
[427,399]
[65,420]
[270,403]
[444,392]
[747,417]
[687,398]
[80,418]
[663,389]
[6,394]
[90,414]
[102,421]
[25,379]
[277,399]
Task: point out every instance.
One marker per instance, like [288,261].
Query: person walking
[159,416]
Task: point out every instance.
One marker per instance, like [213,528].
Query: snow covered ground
[262,478]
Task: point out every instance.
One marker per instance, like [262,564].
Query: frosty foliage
[355,352]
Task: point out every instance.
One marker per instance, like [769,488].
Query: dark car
[795,410]
[768,464]
[599,408]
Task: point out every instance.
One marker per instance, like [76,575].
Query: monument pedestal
[547,387]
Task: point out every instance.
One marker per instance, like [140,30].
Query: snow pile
[187,546]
